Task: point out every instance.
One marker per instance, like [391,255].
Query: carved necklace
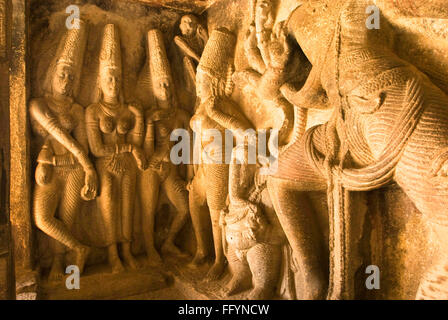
[61,110]
[110,110]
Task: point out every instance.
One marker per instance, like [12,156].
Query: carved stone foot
[198,260]
[130,262]
[57,270]
[117,266]
[260,294]
[81,254]
[236,285]
[153,259]
[170,249]
[216,271]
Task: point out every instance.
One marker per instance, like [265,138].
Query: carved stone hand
[43,174]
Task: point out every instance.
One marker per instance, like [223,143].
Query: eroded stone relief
[356,135]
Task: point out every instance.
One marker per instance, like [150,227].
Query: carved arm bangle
[60,135]
[64,160]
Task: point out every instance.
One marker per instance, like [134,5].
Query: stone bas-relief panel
[233,149]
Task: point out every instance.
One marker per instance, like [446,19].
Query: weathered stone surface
[358,181]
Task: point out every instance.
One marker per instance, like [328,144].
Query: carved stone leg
[199,213]
[46,199]
[178,196]
[429,193]
[217,176]
[264,261]
[149,195]
[434,285]
[300,226]
[190,74]
[108,209]
[241,275]
[70,205]
[217,269]
[127,214]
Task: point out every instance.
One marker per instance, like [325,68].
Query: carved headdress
[110,54]
[159,65]
[71,48]
[218,54]
[70,52]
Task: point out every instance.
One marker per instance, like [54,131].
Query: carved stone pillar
[20,174]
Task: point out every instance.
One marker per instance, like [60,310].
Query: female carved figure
[162,173]
[115,134]
[215,112]
[390,123]
[191,43]
[64,174]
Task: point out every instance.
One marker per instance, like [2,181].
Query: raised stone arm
[186,49]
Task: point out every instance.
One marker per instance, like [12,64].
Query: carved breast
[119,121]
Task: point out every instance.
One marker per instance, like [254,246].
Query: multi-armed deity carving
[274,64]
[115,132]
[216,111]
[64,173]
[161,120]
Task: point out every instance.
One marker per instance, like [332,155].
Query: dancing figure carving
[64,173]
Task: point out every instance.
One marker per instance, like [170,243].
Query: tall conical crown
[218,52]
[72,46]
[110,54]
[158,61]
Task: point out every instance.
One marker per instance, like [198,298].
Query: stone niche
[355,210]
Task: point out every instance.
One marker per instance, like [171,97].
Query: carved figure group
[389,123]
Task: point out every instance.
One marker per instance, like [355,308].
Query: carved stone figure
[191,43]
[115,132]
[253,242]
[64,173]
[215,112]
[161,120]
[273,66]
[380,131]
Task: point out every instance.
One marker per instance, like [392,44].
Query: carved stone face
[110,81]
[163,90]
[262,10]
[63,79]
[188,25]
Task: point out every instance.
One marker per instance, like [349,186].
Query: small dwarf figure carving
[191,43]
[115,132]
[64,174]
[252,242]
[161,120]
